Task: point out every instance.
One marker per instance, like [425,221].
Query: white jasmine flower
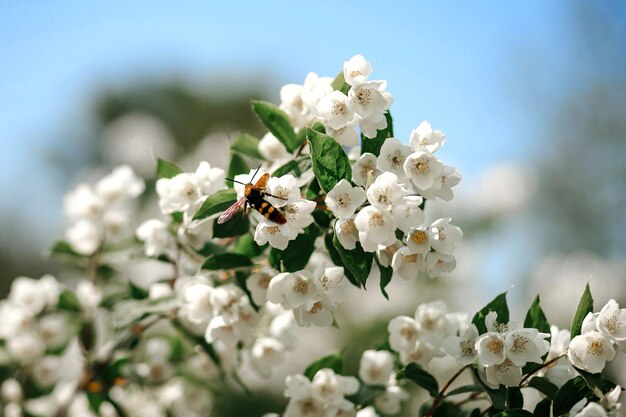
[526,345]
[277,235]
[329,389]
[336,110]
[403,333]
[116,223]
[421,354]
[180,193]
[392,157]
[84,237]
[53,330]
[14,319]
[385,192]
[422,169]
[82,202]
[344,199]
[346,232]
[298,215]
[283,328]
[424,138]
[330,284]
[437,262]
[197,302]
[390,402]
[291,103]
[119,185]
[356,70]
[367,412]
[490,349]
[418,240]
[611,322]
[46,371]
[318,313]
[592,410]
[11,390]
[157,239]
[222,330]
[560,371]
[272,149]
[291,289]
[89,296]
[364,171]
[408,214]
[442,188]
[462,347]
[385,253]
[590,352]
[25,347]
[407,264]
[371,125]
[258,283]
[589,323]
[266,354]
[314,88]
[505,373]
[367,99]
[285,188]
[160,290]
[375,227]
[209,179]
[376,367]
[346,135]
[434,322]
[26,293]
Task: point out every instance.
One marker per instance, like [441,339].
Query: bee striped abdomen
[267,210]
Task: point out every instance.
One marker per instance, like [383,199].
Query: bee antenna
[256,172]
[238,182]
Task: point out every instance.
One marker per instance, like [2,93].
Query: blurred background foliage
[546,218]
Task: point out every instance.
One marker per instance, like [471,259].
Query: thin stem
[475,396]
[550,362]
[439,398]
[488,409]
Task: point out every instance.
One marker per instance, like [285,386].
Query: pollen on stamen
[364,96]
[301,286]
[396,158]
[467,348]
[419,236]
[409,259]
[519,344]
[377,220]
[495,345]
[355,73]
[595,348]
[348,227]
[421,166]
[611,324]
[317,307]
[343,200]
[339,108]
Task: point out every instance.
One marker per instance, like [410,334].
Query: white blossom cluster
[323,396]
[608,406]
[183,193]
[377,368]
[102,212]
[601,334]
[364,104]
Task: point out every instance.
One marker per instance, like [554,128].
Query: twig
[439,398]
[545,365]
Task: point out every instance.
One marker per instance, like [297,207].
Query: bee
[254,195]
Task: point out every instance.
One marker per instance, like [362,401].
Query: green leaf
[166,169]
[515,412]
[544,386]
[330,162]
[598,385]
[63,248]
[514,398]
[569,394]
[466,389]
[226,261]
[536,319]
[276,122]
[498,305]
[542,409]
[340,84]
[356,260]
[237,226]
[248,145]
[332,361]
[237,166]
[297,254]
[287,168]
[210,248]
[498,397]
[216,203]
[137,292]
[386,273]
[373,145]
[68,301]
[336,258]
[246,245]
[417,374]
[585,306]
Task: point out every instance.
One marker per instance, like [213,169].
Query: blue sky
[462,68]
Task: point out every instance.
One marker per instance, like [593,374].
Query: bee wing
[262,182]
[232,211]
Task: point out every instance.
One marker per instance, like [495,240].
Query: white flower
[179,193]
[277,235]
[393,154]
[364,171]
[421,354]
[408,214]
[390,401]
[375,227]
[376,367]
[272,149]
[442,188]
[403,333]
[344,199]
[28,294]
[505,373]
[47,371]
[14,319]
[119,185]
[346,232]
[285,188]
[385,192]
[336,110]
[315,312]
[315,88]
[418,240]
[526,345]
[291,103]
[53,330]
[84,237]
[611,322]
[209,179]
[592,410]
[89,296]
[590,351]
[298,215]
[367,99]
[423,138]
[11,390]
[462,347]
[356,70]
[82,202]
[330,284]
[291,289]
[197,301]
[367,412]
[346,135]
[385,253]
[266,353]
[157,239]
[560,371]
[329,389]
[422,169]
[437,262]
[490,349]
[371,125]
[283,328]
[258,283]
[26,347]
[407,264]
[434,322]
[160,290]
